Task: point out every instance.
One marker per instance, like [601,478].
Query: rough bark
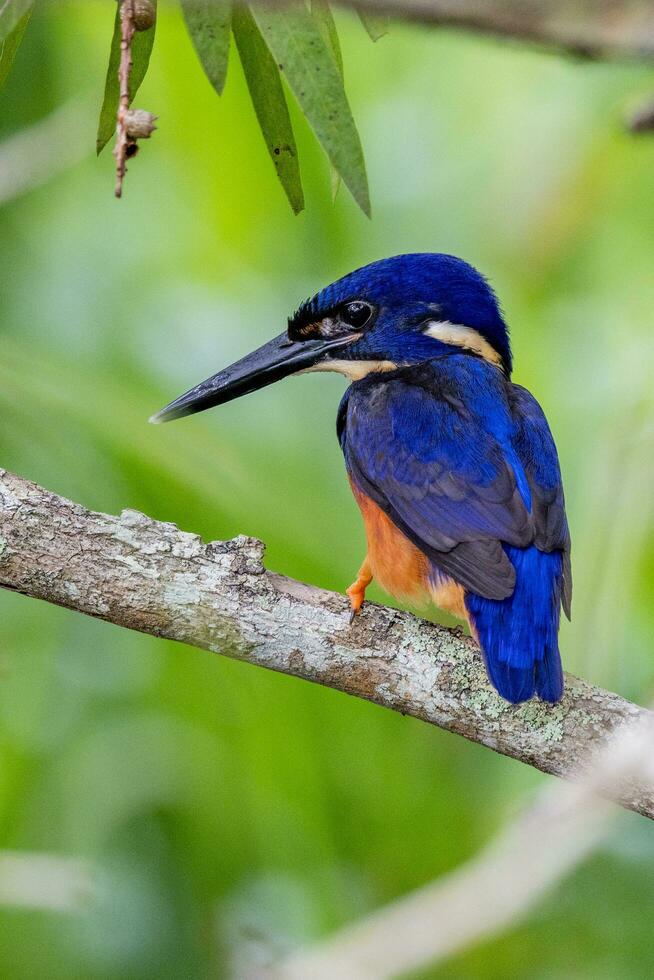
[592,28]
[149,576]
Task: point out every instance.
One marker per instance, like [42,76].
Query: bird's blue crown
[405,292]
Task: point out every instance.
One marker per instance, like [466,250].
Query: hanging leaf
[141,49]
[324,18]
[297,44]
[375,24]
[10,44]
[267,94]
[11,12]
[322,14]
[209,23]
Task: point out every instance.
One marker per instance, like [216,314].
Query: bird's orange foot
[357,591]
[356,594]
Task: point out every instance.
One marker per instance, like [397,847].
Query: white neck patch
[460,336]
[354,370]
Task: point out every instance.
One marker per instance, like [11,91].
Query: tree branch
[592,28]
[152,577]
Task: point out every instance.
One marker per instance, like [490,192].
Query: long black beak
[275,360]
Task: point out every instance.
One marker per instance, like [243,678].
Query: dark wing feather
[441,476]
[535,447]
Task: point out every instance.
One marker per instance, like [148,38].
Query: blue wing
[535,448]
[431,446]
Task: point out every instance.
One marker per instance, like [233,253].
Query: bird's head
[402,310]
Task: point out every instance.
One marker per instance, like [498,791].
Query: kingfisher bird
[452,464]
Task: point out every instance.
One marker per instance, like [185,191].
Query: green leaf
[10,44]
[322,14]
[209,23]
[375,24]
[267,94]
[324,18]
[297,44]
[11,12]
[141,50]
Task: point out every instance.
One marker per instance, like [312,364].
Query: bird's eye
[356,314]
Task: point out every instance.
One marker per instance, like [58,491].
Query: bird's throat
[354,370]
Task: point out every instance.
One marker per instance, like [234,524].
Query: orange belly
[401,569]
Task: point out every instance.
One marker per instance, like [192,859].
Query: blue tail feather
[519,635]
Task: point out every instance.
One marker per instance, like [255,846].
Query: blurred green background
[228,811]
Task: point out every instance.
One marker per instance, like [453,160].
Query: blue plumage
[453,466]
[463,463]
[519,635]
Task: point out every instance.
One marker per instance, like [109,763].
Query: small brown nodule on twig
[139,123]
[144,14]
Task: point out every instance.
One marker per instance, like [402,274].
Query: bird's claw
[356,594]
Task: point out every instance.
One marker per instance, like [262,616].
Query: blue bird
[453,466]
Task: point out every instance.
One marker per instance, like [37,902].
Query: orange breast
[395,562]
[399,567]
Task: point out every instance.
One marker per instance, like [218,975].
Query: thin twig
[123,141]
[642,120]
[493,891]
[611,29]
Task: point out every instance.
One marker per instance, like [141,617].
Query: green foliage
[297,43]
[10,43]
[209,24]
[324,18]
[267,94]
[302,45]
[375,24]
[141,51]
